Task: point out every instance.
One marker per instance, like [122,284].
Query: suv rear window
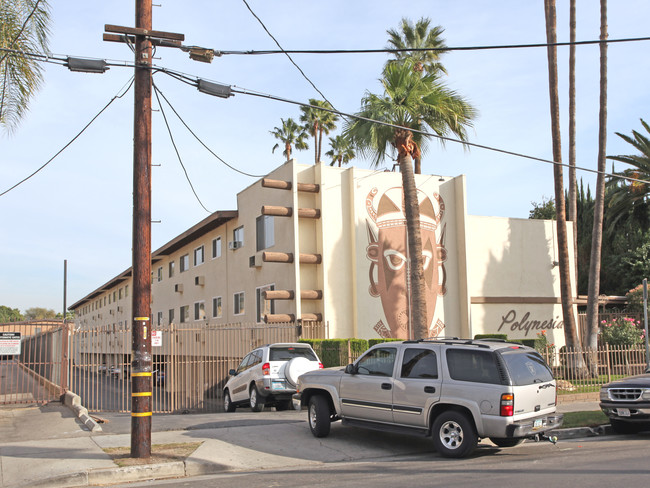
[473,365]
[526,367]
[287,353]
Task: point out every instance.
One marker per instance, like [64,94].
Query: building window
[171,315]
[109,300]
[185,314]
[216,307]
[264,306]
[264,226]
[114,296]
[126,291]
[171,268]
[216,248]
[120,293]
[160,318]
[238,305]
[238,235]
[198,256]
[159,275]
[185,262]
[199,311]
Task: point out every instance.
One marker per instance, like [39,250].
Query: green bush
[623,331]
[334,352]
[373,342]
[491,336]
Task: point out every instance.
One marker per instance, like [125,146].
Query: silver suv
[456,391]
[268,376]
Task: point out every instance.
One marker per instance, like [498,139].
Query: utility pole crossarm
[138,31]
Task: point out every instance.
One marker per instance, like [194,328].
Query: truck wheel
[506,441]
[622,427]
[454,435]
[319,416]
[254,400]
[228,405]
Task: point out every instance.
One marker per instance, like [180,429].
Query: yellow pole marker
[141,394]
[141,414]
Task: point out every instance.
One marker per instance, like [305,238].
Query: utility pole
[143,38]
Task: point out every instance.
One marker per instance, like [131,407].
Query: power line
[180,160]
[129,83]
[21,29]
[199,139]
[425,49]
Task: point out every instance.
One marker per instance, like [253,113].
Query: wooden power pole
[143,38]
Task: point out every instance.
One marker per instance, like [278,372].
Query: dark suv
[627,403]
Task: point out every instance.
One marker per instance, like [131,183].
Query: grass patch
[584,419]
[160,453]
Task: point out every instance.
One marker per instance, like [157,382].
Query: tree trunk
[418,305]
[570,332]
[287,149]
[597,232]
[573,184]
[418,165]
[320,143]
[316,142]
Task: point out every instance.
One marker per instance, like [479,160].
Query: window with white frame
[159,276]
[264,307]
[199,311]
[265,232]
[216,307]
[238,235]
[184,262]
[160,318]
[198,256]
[238,303]
[172,265]
[216,248]
[185,314]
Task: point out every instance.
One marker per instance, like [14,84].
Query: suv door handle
[386,386]
[429,389]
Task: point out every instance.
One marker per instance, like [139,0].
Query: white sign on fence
[9,343]
[156,338]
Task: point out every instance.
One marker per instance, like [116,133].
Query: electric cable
[178,154]
[199,139]
[21,29]
[129,83]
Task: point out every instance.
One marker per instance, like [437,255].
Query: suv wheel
[454,435]
[254,400]
[506,441]
[622,427]
[228,405]
[319,416]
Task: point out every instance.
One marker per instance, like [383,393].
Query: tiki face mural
[389,258]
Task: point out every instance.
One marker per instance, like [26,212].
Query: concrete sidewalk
[48,446]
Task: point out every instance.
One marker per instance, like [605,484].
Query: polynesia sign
[527,323]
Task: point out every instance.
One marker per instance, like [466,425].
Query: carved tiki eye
[426,259]
[394,259]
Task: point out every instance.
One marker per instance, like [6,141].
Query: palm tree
[599,204]
[630,200]
[341,151]
[573,182]
[570,331]
[23,27]
[410,102]
[318,122]
[291,134]
[418,36]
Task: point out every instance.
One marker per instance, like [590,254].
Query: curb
[576,432]
[145,472]
[73,401]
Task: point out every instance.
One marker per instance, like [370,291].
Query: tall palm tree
[23,27]
[318,122]
[341,151]
[631,199]
[291,134]
[570,331]
[599,204]
[573,182]
[418,36]
[410,102]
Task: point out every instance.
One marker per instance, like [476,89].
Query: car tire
[228,405]
[319,416]
[454,435]
[627,428]
[254,400]
[506,441]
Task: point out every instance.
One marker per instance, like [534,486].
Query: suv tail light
[320,365]
[266,369]
[507,405]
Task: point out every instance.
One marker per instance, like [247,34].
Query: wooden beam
[310,258]
[277,257]
[312,317]
[277,211]
[309,187]
[278,294]
[311,294]
[131,40]
[277,184]
[277,318]
[144,32]
[309,213]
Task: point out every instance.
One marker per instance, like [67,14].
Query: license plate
[537,424]
[277,385]
[623,412]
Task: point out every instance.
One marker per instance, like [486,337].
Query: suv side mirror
[232,372]
[351,369]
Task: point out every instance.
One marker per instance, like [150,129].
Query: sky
[79,207]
